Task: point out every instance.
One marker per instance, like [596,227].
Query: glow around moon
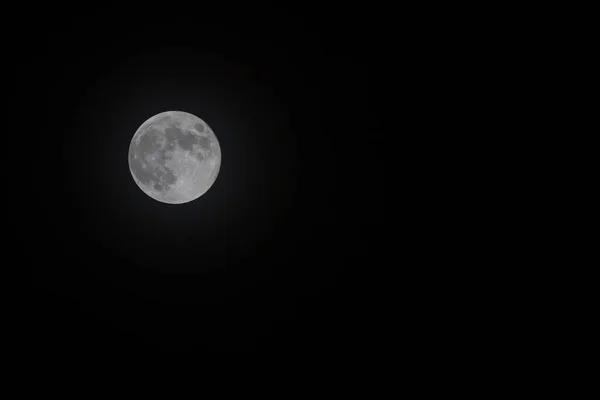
[174,157]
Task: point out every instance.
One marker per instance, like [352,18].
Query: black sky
[278,256]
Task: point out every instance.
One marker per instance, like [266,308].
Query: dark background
[279,255]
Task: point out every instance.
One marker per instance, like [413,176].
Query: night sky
[280,253]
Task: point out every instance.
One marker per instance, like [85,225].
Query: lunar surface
[174,157]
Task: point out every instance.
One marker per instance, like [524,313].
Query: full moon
[174,157]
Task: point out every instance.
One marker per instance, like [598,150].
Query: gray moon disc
[174,157]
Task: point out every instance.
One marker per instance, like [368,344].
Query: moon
[174,157]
